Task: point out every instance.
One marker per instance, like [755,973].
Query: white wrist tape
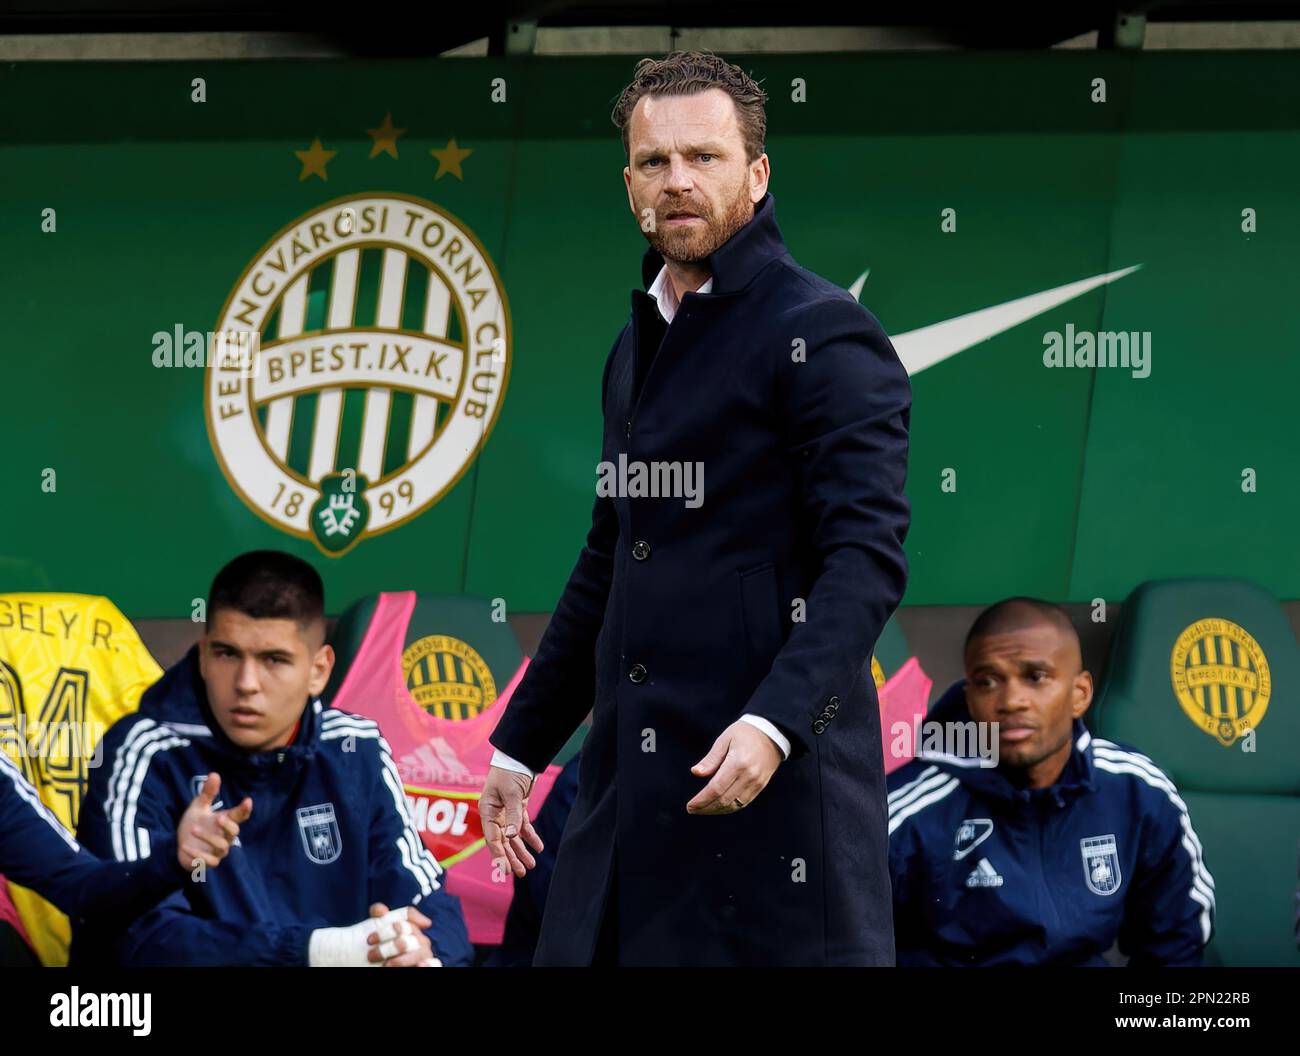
[347,947]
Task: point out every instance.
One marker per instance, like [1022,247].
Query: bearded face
[690,184]
[688,227]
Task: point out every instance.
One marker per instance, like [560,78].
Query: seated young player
[1070,844]
[38,852]
[330,844]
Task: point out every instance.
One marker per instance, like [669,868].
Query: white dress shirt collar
[666,297]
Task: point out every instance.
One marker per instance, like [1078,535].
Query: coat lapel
[648,330]
[733,266]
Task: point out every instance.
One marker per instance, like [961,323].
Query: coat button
[627,428]
[833,703]
[640,549]
[819,727]
[637,673]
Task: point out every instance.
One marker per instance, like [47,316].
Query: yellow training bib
[71,665]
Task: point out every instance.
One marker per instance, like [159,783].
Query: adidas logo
[434,763]
[984,875]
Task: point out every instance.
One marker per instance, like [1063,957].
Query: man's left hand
[742,762]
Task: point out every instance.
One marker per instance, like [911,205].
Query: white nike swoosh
[921,349]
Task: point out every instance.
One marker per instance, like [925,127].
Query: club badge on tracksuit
[319,829]
[1101,864]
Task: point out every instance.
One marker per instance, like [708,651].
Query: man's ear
[627,182]
[1082,694]
[322,666]
[203,655]
[759,174]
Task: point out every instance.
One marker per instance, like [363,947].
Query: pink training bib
[442,762]
[903,702]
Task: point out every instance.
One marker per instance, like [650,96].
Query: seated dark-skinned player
[1067,846]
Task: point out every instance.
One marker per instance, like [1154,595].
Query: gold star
[385,137]
[314,160]
[449,159]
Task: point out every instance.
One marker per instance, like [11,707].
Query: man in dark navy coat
[745,551]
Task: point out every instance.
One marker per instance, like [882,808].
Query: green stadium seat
[1204,677]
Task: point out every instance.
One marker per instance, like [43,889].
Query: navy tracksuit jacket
[987,873]
[330,833]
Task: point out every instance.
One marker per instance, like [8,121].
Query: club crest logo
[1100,864]
[1221,678]
[970,834]
[447,678]
[319,829]
[381,353]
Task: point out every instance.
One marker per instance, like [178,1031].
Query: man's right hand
[503,806]
[205,835]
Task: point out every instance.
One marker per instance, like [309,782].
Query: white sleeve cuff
[506,762]
[781,740]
